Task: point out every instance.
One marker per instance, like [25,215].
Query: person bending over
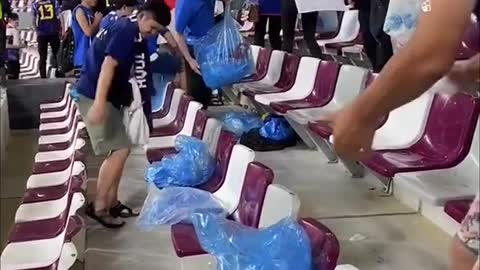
[121,8]
[193,20]
[103,90]
[85,25]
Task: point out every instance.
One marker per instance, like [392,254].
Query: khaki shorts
[108,136]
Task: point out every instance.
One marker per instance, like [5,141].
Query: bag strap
[137,96]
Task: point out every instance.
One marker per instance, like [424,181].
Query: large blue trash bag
[224,56]
[191,167]
[283,246]
[241,122]
[277,128]
[174,205]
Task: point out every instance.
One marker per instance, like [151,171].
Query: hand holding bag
[134,119]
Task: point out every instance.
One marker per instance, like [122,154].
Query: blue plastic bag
[224,56]
[277,128]
[283,246]
[241,122]
[174,205]
[191,167]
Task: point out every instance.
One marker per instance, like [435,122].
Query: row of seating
[433,155]
[243,186]
[46,221]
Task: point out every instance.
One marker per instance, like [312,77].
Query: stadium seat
[458,209]
[271,75]
[60,105]
[60,141]
[325,245]
[285,82]
[304,84]
[57,116]
[349,30]
[170,108]
[60,127]
[322,93]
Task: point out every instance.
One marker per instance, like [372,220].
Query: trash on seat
[283,246]
[241,122]
[174,205]
[191,167]
[275,134]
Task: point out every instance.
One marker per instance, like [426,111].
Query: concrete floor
[395,237]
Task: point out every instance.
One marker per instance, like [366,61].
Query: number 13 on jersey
[46,12]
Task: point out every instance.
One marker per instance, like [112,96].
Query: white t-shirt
[13,37]
[305,6]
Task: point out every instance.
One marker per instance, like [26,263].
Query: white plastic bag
[134,118]
[305,6]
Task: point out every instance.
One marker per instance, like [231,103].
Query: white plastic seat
[59,138]
[60,125]
[231,190]
[61,113]
[55,178]
[211,135]
[61,103]
[169,141]
[41,253]
[404,125]
[440,186]
[349,29]
[273,73]
[304,84]
[172,113]
[351,81]
[59,155]
[41,210]
[255,52]
[279,203]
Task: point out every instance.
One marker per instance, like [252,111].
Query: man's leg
[260,31]
[43,53]
[289,21]
[309,23]
[274,29]
[55,44]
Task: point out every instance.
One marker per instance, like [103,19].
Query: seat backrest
[263,61]
[279,203]
[211,135]
[229,193]
[274,68]
[200,124]
[225,144]
[450,126]
[405,125]
[167,101]
[173,108]
[186,108]
[325,82]
[325,245]
[289,71]
[257,180]
[351,81]
[350,27]
[255,52]
[306,77]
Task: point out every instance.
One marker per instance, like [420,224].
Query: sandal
[123,211]
[106,220]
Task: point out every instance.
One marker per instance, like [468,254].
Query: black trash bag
[256,142]
[66,52]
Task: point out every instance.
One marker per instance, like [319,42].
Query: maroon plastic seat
[166,103]
[258,178]
[325,245]
[445,143]
[471,40]
[71,106]
[458,209]
[61,145]
[322,93]
[42,229]
[42,194]
[287,77]
[57,109]
[261,70]
[57,165]
[157,154]
[225,145]
[63,129]
[177,125]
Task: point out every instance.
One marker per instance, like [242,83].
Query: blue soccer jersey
[46,14]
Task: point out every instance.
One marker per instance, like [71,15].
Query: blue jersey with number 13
[46,17]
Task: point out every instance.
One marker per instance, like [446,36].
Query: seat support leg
[326,148]
[355,168]
[230,93]
[302,132]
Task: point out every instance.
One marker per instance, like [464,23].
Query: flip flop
[123,211]
[105,220]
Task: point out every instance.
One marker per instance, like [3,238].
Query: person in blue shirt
[121,8]
[103,91]
[47,23]
[193,20]
[85,25]
[269,11]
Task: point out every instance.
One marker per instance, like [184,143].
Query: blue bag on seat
[241,122]
[191,167]
[174,205]
[224,56]
[283,246]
